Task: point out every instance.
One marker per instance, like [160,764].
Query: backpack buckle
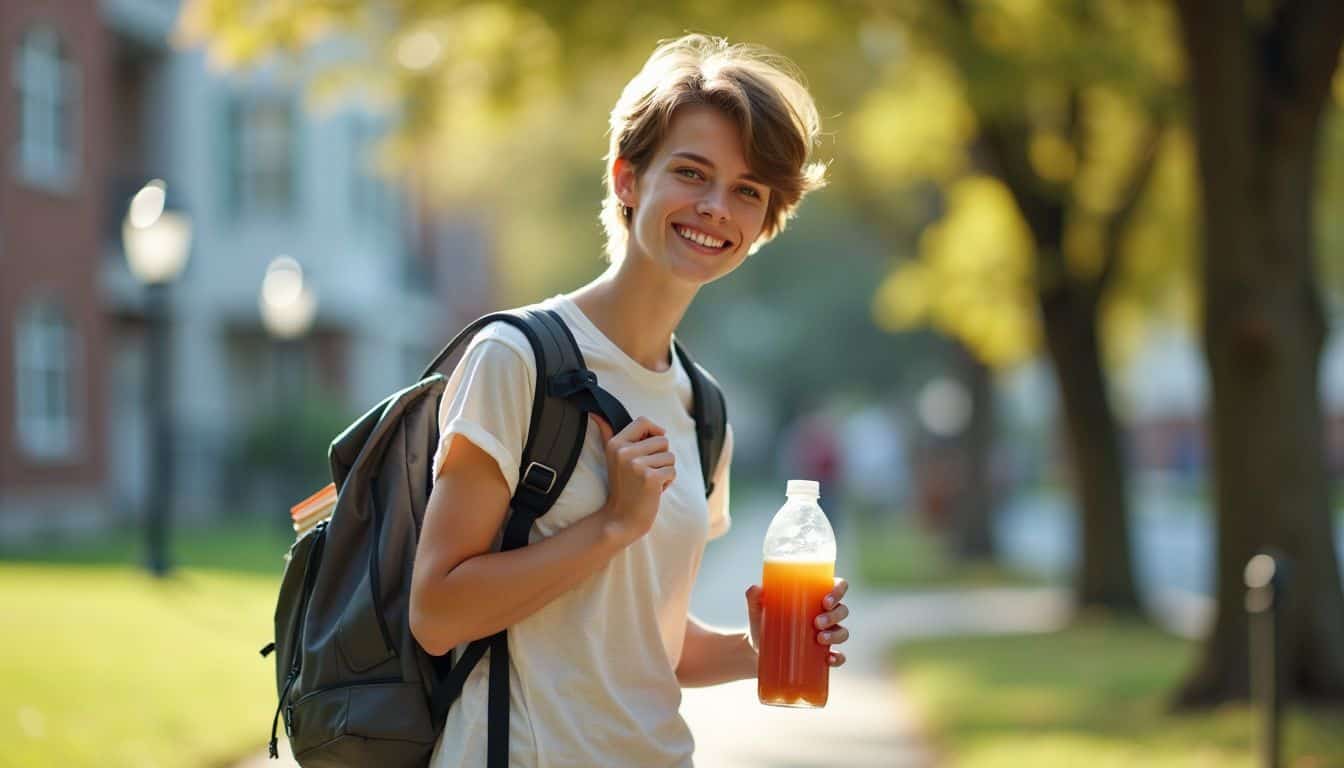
[566,383]
[539,477]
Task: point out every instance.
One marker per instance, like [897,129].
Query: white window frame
[46,365]
[370,197]
[263,152]
[47,84]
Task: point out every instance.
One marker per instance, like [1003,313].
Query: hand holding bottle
[797,623]
[829,630]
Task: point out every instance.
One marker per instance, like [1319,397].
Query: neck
[638,307]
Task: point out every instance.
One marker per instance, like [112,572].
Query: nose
[713,205]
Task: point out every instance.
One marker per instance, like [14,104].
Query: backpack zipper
[361,683]
[309,576]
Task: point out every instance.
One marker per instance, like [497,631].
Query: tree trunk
[1105,576]
[973,535]
[1257,108]
[1069,320]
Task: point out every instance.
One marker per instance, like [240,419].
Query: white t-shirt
[592,674]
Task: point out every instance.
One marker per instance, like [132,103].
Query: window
[47,85]
[46,352]
[369,195]
[264,156]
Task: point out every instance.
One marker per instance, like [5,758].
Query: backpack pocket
[360,637]
[383,723]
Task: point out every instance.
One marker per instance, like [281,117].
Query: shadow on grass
[1099,689]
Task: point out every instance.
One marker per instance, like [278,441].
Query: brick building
[54,92]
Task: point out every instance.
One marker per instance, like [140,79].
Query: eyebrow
[753,178]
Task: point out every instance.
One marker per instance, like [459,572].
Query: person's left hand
[829,631]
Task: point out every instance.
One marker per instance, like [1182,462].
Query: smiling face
[697,208]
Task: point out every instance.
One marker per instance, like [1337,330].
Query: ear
[624,181]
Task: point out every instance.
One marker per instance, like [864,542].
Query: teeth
[700,237]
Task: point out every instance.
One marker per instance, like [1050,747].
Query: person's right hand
[640,466]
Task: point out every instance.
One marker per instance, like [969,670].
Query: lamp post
[157,242]
[288,306]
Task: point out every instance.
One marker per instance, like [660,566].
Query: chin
[698,268]
[699,272]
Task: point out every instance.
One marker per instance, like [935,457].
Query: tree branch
[1118,222]
[1073,127]
[1001,149]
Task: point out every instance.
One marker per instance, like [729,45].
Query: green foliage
[292,439]
[1094,695]
[1007,107]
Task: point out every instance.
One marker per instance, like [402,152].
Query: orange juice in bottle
[792,669]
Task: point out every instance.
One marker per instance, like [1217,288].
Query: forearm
[711,656]
[495,590]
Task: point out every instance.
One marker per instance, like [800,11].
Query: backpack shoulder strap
[566,392]
[710,411]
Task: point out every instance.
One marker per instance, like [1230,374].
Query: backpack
[355,688]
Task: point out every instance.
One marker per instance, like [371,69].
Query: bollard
[1264,577]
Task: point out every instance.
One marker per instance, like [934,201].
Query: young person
[709,158]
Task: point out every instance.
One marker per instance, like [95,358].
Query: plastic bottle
[799,571]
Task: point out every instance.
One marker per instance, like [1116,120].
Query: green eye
[689,173]
[751,192]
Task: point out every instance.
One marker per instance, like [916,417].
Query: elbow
[436,633]
[420,630]
[427,631]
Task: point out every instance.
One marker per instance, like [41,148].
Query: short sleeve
[488,400]
[719,518]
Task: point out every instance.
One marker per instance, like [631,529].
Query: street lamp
[287,304]
[157,242]
[288,307]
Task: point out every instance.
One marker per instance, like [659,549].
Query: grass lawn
[1093,696]
[106,666]
[899,555]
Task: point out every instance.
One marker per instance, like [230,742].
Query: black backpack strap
[566,392]
[710,412]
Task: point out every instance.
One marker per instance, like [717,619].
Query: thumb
[603,427]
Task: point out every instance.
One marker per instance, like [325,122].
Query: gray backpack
[355,689]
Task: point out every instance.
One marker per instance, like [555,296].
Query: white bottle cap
[803,488]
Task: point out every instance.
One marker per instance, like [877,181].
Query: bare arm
[711,656]
[462,591]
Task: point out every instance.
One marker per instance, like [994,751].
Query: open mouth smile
[700,241]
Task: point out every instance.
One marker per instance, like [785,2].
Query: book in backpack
[355,688]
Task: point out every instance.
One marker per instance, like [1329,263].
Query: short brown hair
[763,92]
